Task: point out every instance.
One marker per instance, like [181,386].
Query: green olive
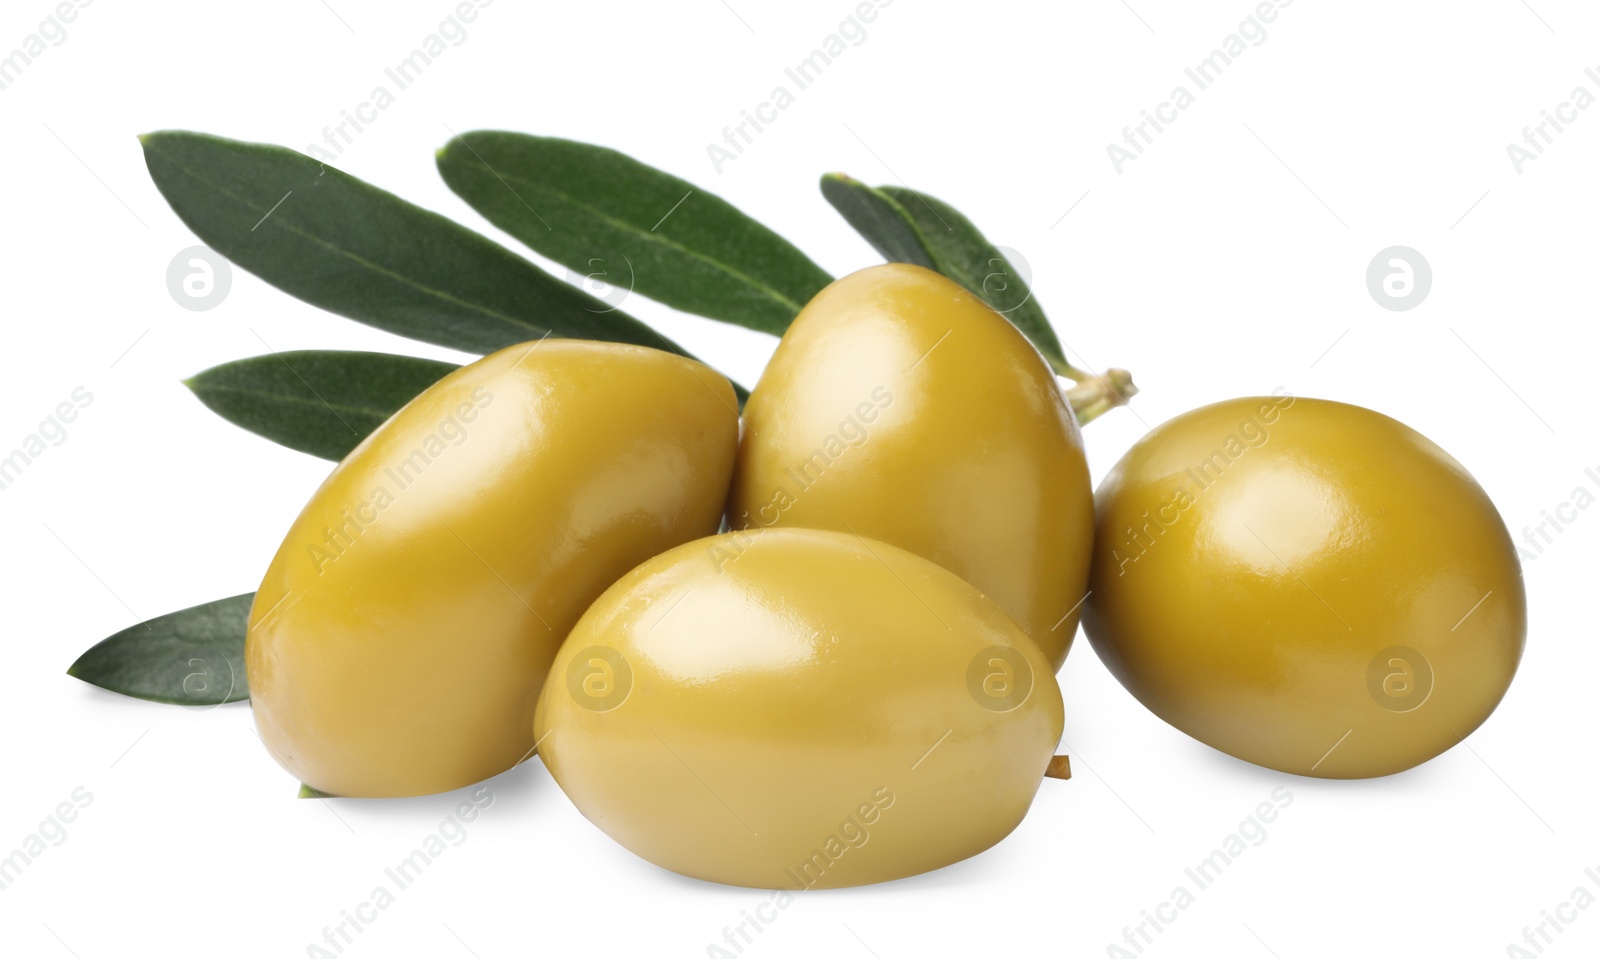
[1306,585]
[399,641]
[794,709]
[900,407]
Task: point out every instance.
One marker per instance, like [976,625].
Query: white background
[1228,260]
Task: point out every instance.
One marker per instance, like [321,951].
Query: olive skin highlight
[900,407]
[400,638]
[795,709]
[1307,585]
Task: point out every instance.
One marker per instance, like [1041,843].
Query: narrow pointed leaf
[348,247]
[193,657]
[879,219]
[911,227]
[321,402]
[608,217]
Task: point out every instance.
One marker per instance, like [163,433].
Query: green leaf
[353,249]
[306,792]
[608,217]
[879,219]
[194,657]
[321,402]
[911,227]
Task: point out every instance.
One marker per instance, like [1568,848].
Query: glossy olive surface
[400,638]
[795,709]
[900,407]
[1307,585]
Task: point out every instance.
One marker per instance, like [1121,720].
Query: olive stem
[1096,395]
[1065,369]
[1060,768]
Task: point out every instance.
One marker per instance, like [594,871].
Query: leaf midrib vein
[347,254]
[771,292]
[288,398]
